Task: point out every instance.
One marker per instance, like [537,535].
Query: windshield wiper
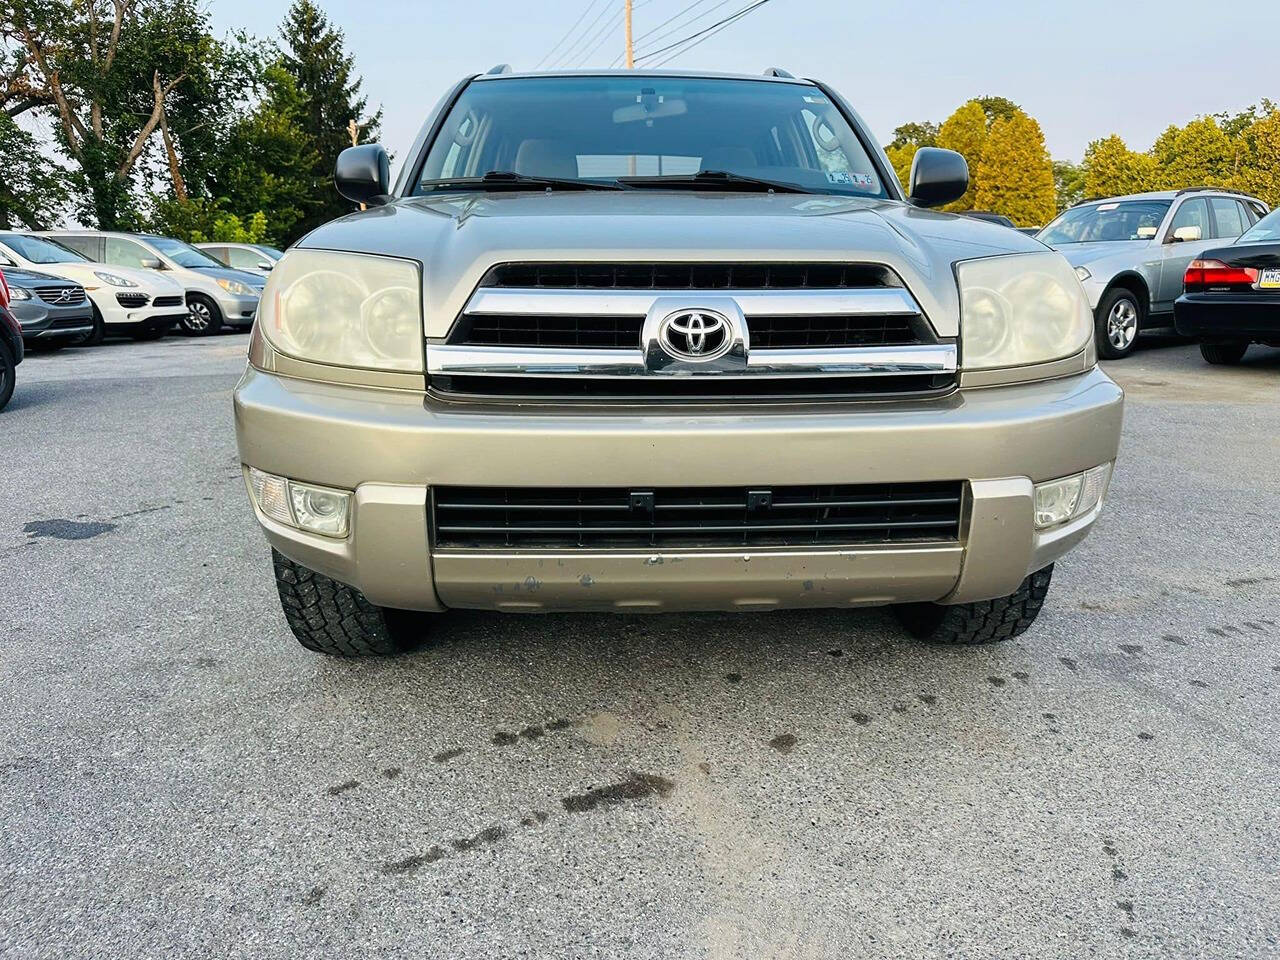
[713,179]
[510,180]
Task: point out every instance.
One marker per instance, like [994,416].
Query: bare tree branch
[179,185]
[149,127]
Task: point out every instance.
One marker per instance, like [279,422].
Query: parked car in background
[216,294]
[253,257]
[1131,253]
[52,312]
[11,348]
[124,301]
[1231,295]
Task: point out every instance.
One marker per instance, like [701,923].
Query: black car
[1231,295]
[11,349]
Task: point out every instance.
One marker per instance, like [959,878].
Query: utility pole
[631,59]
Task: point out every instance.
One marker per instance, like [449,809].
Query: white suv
[142,304]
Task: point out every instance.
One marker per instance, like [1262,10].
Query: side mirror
[265,265]
[151,263]
[362,174]
[937,176]
[1186,234]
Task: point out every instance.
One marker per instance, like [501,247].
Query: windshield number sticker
[845,179]
[1104,207]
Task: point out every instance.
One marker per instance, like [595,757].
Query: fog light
[1057,501]
[320,510]
[271,494]
[301,505]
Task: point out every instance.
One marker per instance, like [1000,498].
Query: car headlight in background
[17,293]
[1020,309]
[348,309]
[236,288]
[1083,273]
[113,279]
[301,505]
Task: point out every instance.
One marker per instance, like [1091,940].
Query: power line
[675,29]
[704,34]
[572,50]
[568,33]
[603,34]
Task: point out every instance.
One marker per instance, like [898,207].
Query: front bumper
[1228,316]
[237,311]
[391,446]
[41,321]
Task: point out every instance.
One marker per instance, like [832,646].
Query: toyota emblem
[695,335]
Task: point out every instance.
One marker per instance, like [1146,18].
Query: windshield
[183,254]
[1113,220]
[40,250]
[1265,230]
[597,129]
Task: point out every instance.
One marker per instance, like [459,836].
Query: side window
[125,253]
[91,247]
[1192,213]
[242,259]
[218,253]
[1228,218]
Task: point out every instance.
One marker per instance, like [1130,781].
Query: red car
[10,344]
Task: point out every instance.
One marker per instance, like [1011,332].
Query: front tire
[1118,321]
[203,318]
[983,621]
[1223,353]
[332,618]
[95,336]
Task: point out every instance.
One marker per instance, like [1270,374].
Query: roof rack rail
[499,69]
[779,72]
[1236,193]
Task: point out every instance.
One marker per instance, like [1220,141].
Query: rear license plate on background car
[1269,279]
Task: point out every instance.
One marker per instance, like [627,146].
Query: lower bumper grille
[69,323]
[132,301]
[171,301]
[641,518]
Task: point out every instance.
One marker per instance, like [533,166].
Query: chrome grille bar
[893,301]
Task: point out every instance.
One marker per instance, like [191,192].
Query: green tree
[1112,169]
[1015,175]
[323,74]
[33,189]
[920,134]
[1199,154]
[1259,170]
[1068,183]
[965,131]
[997,108]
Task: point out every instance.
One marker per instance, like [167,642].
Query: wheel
[94,337]
[1118,320]
[983,621]
[1223,352]
[202,317]
[330,617]
[6,375]
[154,333]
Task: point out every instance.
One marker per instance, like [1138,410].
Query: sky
[1083,69]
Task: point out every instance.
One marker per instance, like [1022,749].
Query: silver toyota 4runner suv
[635,341]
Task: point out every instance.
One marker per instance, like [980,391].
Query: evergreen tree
[323,75]
[1015,175]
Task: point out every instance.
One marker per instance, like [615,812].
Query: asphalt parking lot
[179,778]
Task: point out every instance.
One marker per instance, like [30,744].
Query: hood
[458,237]
[255,280]
[147,281]
[1080,254]
[22,277]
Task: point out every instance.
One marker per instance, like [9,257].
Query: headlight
[236,288]
[1083,273]
[17,293]
[348,309]
[113,279]
[1020,309]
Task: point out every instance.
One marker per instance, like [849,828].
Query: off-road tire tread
[983,621]
[330,617]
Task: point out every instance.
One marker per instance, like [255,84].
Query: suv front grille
[61,296]
[132,301]
[690,276]
[642,518]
